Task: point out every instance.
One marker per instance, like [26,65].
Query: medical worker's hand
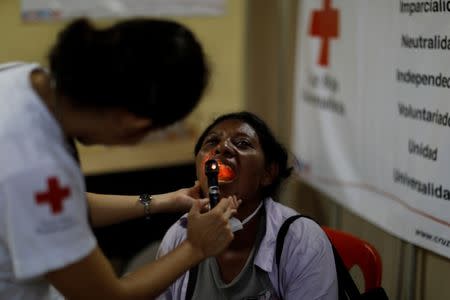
[178,201]
[210,232]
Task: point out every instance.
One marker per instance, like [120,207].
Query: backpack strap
[282,235]
[191,283]
[346,286]
[280,243]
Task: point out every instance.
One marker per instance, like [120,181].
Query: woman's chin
[227,188]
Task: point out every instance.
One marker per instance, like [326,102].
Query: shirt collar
[266,251]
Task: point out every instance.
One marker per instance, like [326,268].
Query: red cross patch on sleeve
[54,196]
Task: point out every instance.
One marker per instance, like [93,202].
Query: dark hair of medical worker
[152,68]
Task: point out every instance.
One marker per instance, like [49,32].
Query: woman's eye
[210,141]
[243,144]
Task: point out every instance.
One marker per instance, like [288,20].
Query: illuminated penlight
[225,172]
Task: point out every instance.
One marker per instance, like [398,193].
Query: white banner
[372,111]
[49,10]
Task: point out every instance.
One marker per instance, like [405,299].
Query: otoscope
[212,173]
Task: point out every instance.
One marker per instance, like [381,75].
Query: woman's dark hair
[152,68]
[274,152]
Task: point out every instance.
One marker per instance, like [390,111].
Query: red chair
[355,251]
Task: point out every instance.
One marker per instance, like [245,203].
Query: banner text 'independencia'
[420,79]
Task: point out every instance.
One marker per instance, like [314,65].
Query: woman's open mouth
[226,173]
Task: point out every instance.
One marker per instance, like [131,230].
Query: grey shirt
[250,283]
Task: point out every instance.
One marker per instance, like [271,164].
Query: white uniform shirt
[43,212]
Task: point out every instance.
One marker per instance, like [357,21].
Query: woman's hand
[210,232]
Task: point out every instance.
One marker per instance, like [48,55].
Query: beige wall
[223,40]
[408,272]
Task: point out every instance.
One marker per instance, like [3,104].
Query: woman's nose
[224,148]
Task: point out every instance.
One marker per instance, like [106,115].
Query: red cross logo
[54,196]
[325,24]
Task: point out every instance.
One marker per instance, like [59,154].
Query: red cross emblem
[325,24]
[54,196]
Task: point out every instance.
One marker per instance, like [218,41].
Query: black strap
[282,235]
[191,283]
[346,286]
[279,245]
[375,294]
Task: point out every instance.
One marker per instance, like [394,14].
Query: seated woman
[252,165]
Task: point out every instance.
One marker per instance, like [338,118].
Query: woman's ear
[270,174]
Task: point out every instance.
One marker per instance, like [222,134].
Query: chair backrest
[355,251]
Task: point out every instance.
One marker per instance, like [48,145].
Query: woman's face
[235,145]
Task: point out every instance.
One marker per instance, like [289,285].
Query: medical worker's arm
[110,209]
[93,277]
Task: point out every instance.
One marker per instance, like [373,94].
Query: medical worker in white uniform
[104,86]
